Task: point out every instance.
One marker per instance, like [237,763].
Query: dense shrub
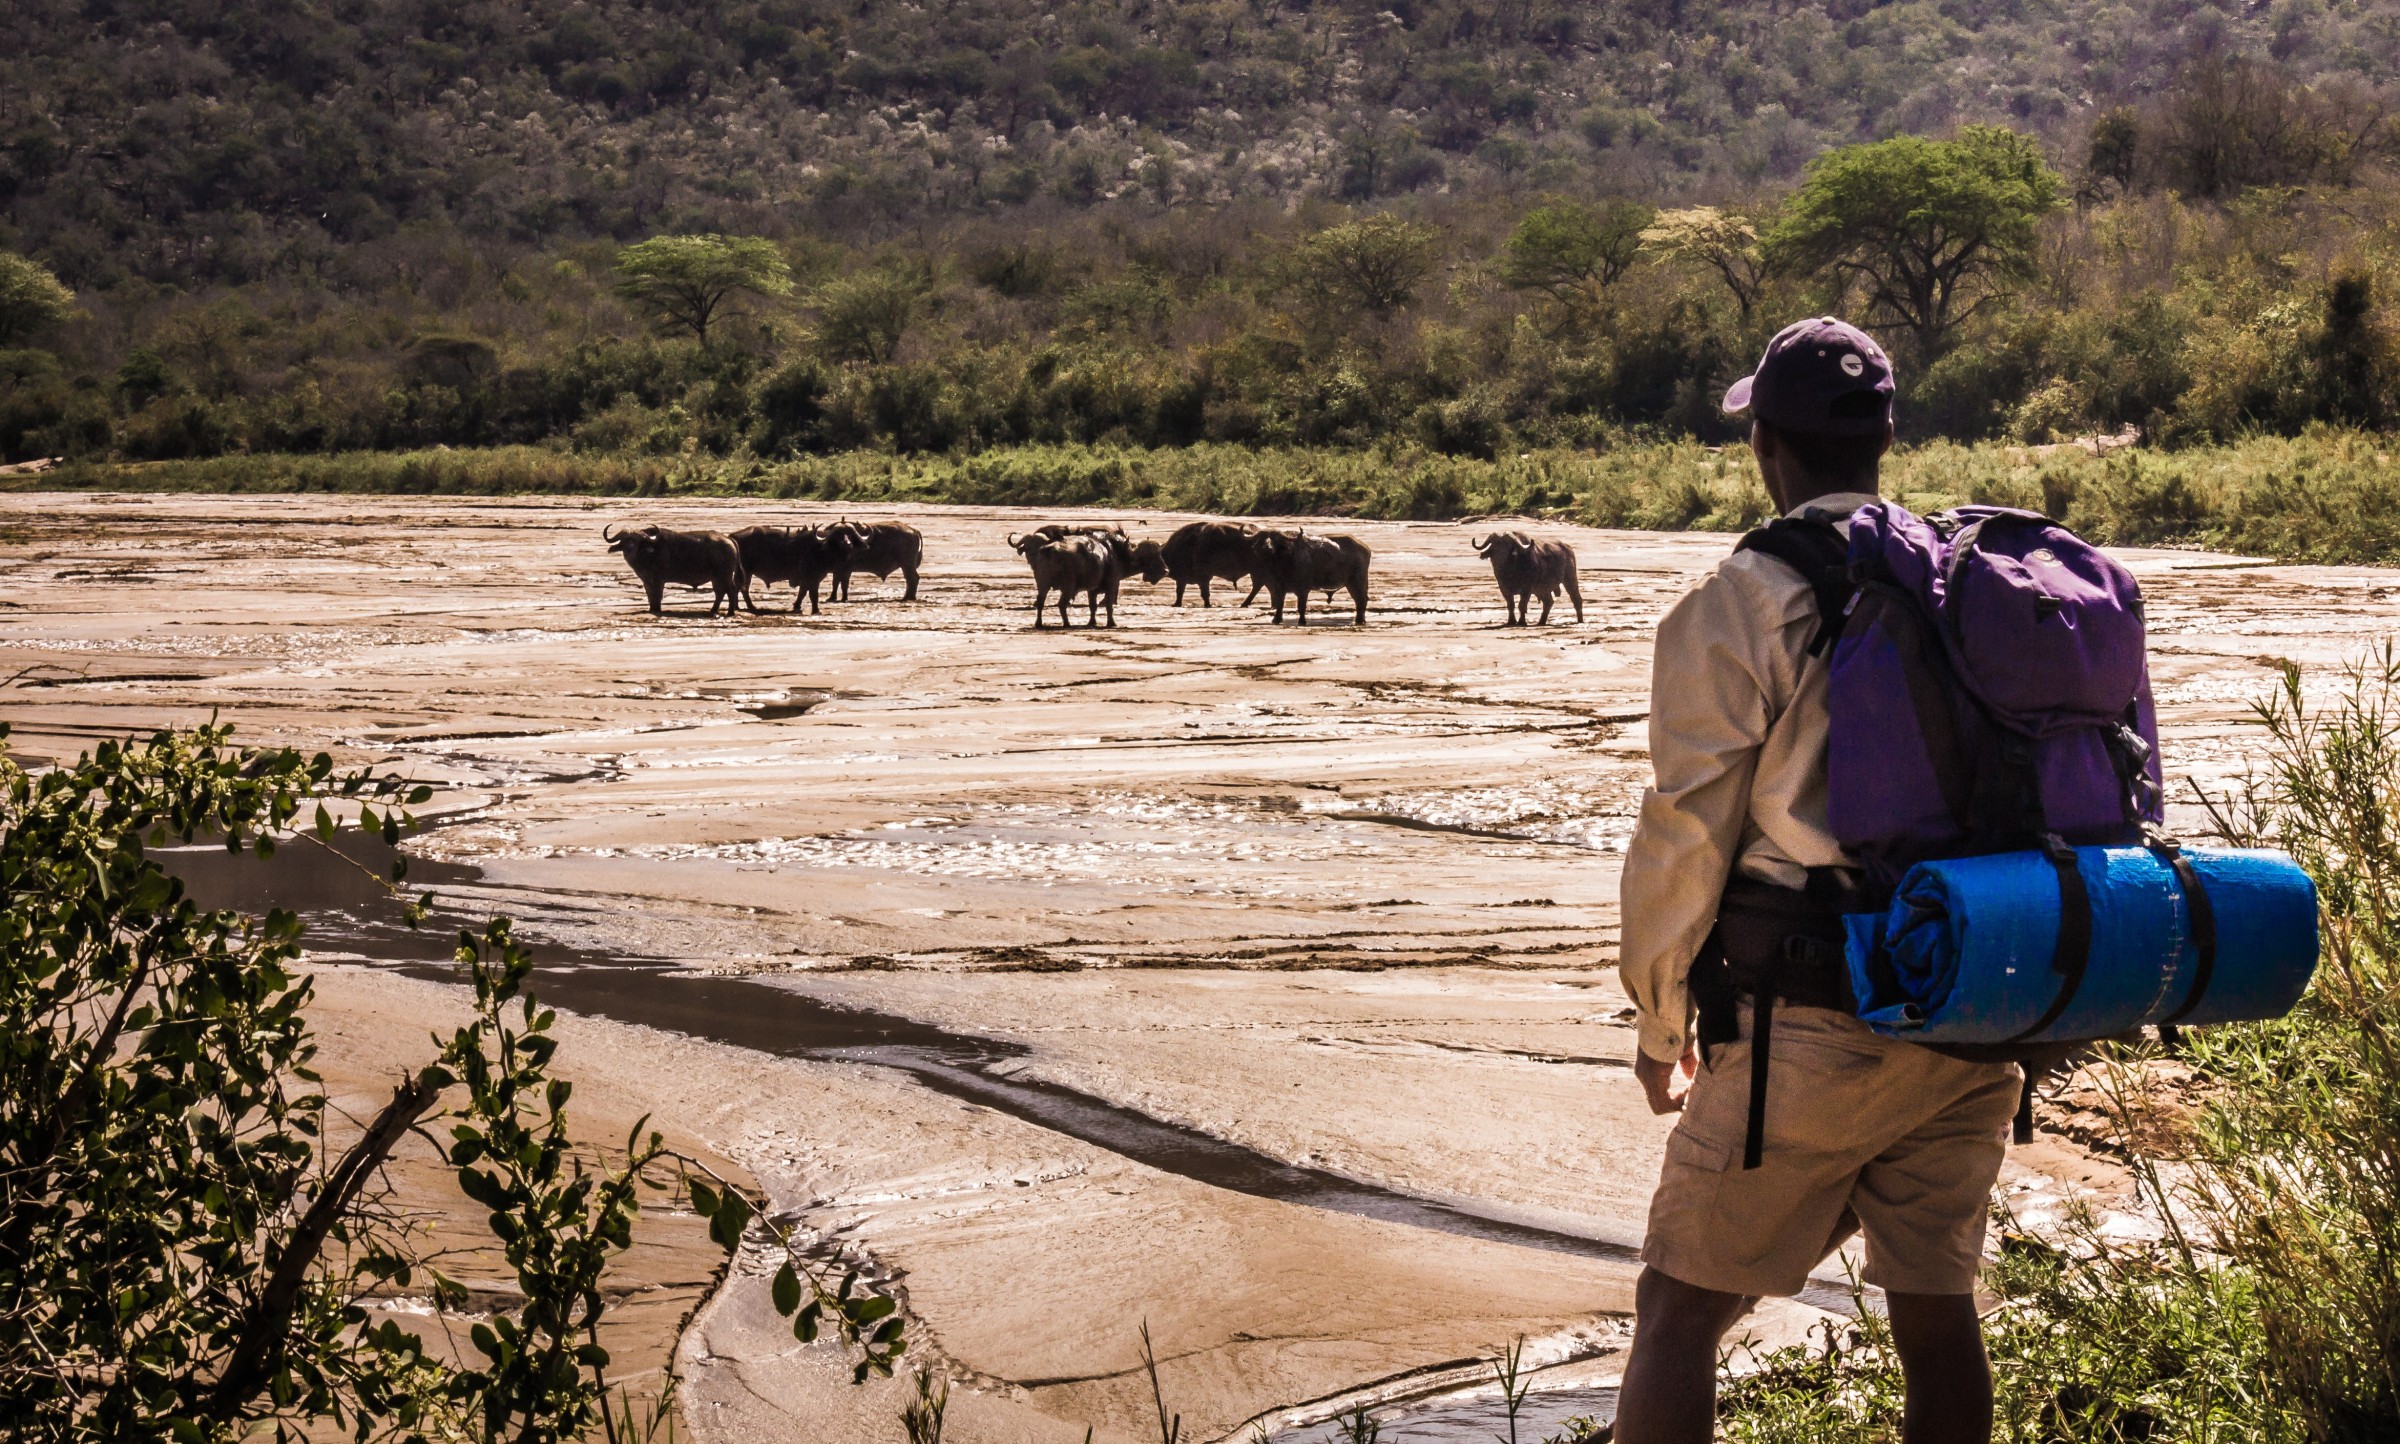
[191,1224]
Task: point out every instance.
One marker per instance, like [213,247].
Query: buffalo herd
[1068,560]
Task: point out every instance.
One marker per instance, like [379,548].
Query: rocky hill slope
[184,141]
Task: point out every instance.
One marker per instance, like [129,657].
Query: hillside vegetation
[190,142]
[676,239]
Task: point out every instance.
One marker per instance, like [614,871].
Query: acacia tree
[30,298]
[1930,230]
[864,316]
[1373,264]
[1723,241]
[685,282]
[1571,251]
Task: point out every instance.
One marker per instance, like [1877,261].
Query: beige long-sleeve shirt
[1738,724]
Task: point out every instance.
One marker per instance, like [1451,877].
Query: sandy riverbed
[1345,896]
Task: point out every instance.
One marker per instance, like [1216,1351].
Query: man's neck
[1792,506]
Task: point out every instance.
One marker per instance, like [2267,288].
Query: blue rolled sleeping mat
[1966,953]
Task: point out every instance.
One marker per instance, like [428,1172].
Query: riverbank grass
[2329,495]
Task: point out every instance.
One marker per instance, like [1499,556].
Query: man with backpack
[1734,876]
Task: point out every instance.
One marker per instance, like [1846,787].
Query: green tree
[30,298]
[1572,251]
[685,282]
[2115,149]
[864,316]
[1375,264]
[1722,241]
[1930,230]
[164,1223]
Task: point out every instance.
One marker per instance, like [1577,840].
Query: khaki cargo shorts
[1863,1134]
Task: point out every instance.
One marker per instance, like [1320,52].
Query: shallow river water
[1323,916]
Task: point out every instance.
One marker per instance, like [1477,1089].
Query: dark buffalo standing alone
[1295,563]
[881,547]
[1090,564]
[1204,551]
[1526,568]
[800,555]
[685,559]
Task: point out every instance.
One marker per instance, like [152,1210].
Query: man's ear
[1767,448]
[1887,441]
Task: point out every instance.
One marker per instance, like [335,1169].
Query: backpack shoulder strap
[1817,550]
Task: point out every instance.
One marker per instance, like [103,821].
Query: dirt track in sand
[1343,895]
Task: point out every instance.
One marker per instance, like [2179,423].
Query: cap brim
[1737,396]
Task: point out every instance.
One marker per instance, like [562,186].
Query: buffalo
[685,558]
[801,555]
[1205,551]
[1295,563]
[1090,563]
[1146,559]
[1051,531]
[1525,568]
[881,547]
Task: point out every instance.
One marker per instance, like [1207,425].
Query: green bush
[2298,1171]
[182,1252]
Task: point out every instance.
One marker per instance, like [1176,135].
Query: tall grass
[2300,1176]
[2276,1321]
[2107,1345]
[1401,483]
[440,471]
[2329,495]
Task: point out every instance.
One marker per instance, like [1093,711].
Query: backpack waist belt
[1768,943]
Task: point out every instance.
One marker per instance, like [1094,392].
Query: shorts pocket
[1691,1152]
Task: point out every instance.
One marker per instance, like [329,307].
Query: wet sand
[1344,897]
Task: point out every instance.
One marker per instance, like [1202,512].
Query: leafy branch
[862,1317]
[182,1256]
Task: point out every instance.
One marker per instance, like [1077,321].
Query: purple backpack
[1990,685]
[1990,693]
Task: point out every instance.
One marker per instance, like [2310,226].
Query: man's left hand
[1667,1084]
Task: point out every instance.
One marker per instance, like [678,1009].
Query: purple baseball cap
[1822,376]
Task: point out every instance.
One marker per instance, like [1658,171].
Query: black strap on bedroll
[1816,549]
[1769,943]
[2070,959]
[2073,955]
[2204,923]
[2074,951]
